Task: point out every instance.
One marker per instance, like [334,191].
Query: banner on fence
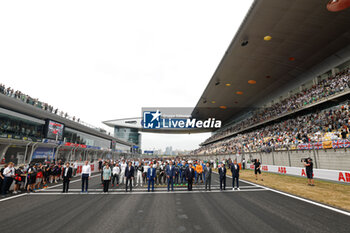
[334,175]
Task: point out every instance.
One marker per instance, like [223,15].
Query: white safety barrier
[334,175]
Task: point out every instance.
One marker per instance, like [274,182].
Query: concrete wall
[333,159]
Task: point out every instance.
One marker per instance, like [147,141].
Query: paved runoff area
[252,209]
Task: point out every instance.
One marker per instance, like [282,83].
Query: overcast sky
[103,60]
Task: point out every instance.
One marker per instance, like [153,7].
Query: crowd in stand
[33,101]
[324,88]
[329,124]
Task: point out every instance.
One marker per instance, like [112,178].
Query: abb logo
[303,173]
[345,178]
[265,168]
[92,167]
[79,169]
[282,170]
[252,167]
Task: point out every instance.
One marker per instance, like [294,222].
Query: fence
[332,159]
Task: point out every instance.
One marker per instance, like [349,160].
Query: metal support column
[34,146]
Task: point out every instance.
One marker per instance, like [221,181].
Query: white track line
[74,181]
[263,188]
[301,199]
[120,189]
[140,193]
[296,197]
[12,197]
[41,190]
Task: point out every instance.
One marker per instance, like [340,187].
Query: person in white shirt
[9,174]
[139,169]
[115,173]
[145,169]
[123,165]
[85,176]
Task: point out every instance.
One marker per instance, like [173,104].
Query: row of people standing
[235,169]
[189,175]
[141,171]
[125,173]
[30,177]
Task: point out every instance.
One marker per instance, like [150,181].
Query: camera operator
[308,164]
[257,169]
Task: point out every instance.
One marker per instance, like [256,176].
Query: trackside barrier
[333,175]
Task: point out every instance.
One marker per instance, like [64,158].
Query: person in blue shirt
[204,166]
[177,173]
[170,174]
[183,173]
[178,165]
[151,175]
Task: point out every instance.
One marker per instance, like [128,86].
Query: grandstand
[299,128]
[282,91]
[10,92]
[31,132]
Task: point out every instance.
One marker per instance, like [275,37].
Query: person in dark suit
[129,176]
[67,176]
[235,174]
[190,176]
[222,174]
[207,176]
[151,175]
[170,174]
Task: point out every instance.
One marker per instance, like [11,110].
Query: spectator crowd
[325,88]
[8,91]
[329,124]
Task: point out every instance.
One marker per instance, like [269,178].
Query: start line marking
[140,193]
[262,188]
[122,189]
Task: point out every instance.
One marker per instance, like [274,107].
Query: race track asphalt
[253,209]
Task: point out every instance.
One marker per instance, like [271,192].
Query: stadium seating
[324,129]
[325,88]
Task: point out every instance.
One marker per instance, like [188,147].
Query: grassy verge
[330,193]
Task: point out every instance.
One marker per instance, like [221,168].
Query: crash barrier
[324,174]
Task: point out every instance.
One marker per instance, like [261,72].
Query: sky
[104,60]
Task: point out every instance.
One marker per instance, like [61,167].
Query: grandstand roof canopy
[302,35]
